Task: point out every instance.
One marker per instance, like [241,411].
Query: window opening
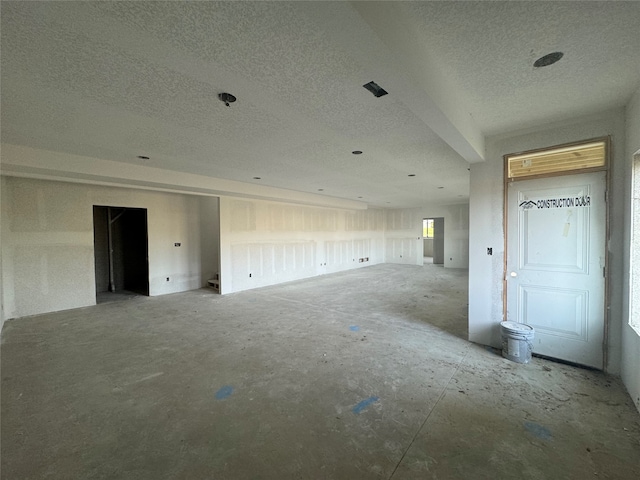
[634,281]
[590,155]
[427,228]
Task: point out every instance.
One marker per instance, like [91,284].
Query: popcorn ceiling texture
[125,78]
[114,80]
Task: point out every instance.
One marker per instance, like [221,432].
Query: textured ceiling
[115,80]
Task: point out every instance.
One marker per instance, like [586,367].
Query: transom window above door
[590,155]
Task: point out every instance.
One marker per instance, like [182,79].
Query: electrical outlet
[249,275]
[177,244]
[168,279]
[489,251]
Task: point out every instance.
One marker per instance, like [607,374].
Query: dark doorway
[121,252]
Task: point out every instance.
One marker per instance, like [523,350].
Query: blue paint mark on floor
[538,430]
[354,328]
[364,404]
[224,392]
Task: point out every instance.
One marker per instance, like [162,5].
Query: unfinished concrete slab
[357,375]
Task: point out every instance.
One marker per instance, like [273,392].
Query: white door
[555,273]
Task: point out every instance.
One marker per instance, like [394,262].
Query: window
[427,228]
[634,281]
[585,156]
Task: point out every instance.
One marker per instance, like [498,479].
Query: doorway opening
[433,241]
[121,258]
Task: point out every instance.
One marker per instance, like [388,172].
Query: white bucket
[517,341]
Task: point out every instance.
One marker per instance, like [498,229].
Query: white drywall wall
[265,243]
[403,237]
[209,237]
[47,242]
[456,232]
[276,242]
[630,364]
[428,247]
[486,223]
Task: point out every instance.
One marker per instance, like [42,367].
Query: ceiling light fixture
[227,98]
[548,59]
[257,178]
[440,188]
[143,157]
[321,189]
[411,175]
[376,89]
[357,152]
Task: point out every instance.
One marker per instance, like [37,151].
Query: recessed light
[411,175]
[143,157]
[548,59]
[257,178]
[357,152]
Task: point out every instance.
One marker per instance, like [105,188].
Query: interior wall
[438,241]
[101,248]
[456,232]
[265,243]
[428,247]
[630,364]
[403,237]
[47,242]
[209,237]
[486,215]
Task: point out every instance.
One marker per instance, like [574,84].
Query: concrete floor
[358,375]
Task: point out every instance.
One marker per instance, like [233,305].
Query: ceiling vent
[376,89]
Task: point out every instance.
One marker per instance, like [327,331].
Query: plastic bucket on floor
[517,341]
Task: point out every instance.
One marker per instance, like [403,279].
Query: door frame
[505,196]
[142,210]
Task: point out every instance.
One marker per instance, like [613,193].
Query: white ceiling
[114,80]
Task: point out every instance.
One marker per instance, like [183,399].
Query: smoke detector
[227,98]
